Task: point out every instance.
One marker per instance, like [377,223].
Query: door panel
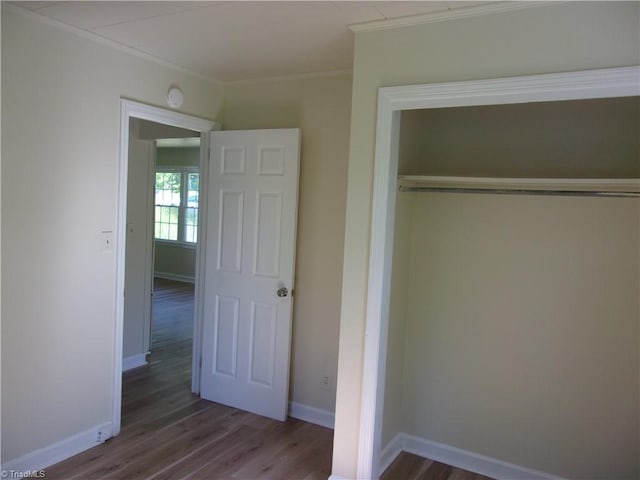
[253,194]
[226,329]
[230,231]
[267,235]
[263,334]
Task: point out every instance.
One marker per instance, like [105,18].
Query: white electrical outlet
[103,432]
[325,382]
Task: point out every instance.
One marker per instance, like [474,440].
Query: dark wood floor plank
[192,465]
[316,456]
[238,432]
[436,471]
[408,466]
[134,460]
[274,458]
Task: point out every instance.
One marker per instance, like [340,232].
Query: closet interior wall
[513,324]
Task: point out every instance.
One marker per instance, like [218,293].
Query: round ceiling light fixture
[175,97]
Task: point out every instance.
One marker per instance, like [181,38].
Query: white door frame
[613,82]
[130,109]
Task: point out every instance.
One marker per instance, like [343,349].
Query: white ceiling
[237,40]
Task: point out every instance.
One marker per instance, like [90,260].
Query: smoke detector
[175,97]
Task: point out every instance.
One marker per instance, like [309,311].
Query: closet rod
[520,191]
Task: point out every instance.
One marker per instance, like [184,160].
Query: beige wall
[552,38]
[53,234]
[60,139]
[320,107]
[522,330]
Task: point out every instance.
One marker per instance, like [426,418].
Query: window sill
[172,243]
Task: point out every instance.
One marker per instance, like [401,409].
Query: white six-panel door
[250,254]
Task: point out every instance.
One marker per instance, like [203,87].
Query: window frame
[184,172]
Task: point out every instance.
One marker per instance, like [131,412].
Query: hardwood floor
[411,467]
[168,433]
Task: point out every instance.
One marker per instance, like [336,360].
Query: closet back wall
[594,138]
[521,338]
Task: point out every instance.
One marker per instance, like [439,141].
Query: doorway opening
[141,219]
[245,342]
[160,264]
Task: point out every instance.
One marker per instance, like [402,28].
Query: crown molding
[443,16]
[87,35]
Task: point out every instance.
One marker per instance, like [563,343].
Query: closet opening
[504,276]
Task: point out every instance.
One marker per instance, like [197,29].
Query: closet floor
[412,467]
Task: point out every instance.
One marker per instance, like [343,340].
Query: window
[176,205]
[191,210]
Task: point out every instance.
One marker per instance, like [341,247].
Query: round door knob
[282,292]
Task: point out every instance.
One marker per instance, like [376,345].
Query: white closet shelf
[612,187]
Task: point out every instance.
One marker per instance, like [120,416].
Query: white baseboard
[175,276]
[337,477]
[391,451]
[473,462]
[314,415]
[134,361]
[47,456]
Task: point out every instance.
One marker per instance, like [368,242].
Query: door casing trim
[603,83]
